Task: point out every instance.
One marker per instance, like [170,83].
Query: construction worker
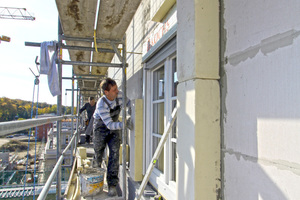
[90,108]
[107,131]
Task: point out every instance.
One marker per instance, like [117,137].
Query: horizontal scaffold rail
[103,50]
[99,40]
[90,75]
[89,63]
[81,78]
[83,90]
[18,125]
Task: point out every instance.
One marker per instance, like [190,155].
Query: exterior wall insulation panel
[261,110]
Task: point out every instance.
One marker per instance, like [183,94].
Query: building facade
[230,67]
[42,131]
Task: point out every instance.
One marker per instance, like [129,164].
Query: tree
[10,108]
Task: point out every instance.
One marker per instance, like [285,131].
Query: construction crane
[4,38]
[14,13]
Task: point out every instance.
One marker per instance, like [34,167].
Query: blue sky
[16,79]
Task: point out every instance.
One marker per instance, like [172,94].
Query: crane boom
[15,13]
[4,38]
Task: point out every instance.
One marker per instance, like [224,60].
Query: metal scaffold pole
[124,130]
[78,118]
[72,112]
[59,112]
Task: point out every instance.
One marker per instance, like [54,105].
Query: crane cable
[36,82]
[36,129]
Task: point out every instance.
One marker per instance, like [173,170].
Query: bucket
[91,181]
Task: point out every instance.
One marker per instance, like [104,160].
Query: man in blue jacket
[90,108]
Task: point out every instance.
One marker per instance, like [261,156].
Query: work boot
[87,139]
[112,191]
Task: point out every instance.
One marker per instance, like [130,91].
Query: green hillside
[16,109]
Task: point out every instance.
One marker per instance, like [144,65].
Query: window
[161,98]
[158,107]
[174,130]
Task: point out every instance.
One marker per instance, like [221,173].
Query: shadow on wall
[247,175]
[260,125]
[249,181]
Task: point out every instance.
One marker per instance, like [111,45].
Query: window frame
[158,178]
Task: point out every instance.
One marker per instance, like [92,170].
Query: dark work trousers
[89,130]
[102,136]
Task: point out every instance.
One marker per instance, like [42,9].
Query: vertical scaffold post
[124,130]
[72,112]
[59,113]
[78,118]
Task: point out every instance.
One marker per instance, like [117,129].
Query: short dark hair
[91,98]
[106,84]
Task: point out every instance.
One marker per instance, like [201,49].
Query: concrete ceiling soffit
[113,20]
[103,58]
[89,93]
[77,20]
[91,84]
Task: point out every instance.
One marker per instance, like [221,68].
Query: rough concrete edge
[223,92]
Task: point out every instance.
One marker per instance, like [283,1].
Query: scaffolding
[60,62]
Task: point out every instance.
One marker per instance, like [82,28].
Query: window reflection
[158,118]
[159,84]
[174,78]
[160,162]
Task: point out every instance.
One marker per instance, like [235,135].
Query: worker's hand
[129,123]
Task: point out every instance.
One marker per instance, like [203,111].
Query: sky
[16,79]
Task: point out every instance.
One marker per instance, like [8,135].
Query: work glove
[129,123]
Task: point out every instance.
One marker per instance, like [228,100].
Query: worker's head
[109,88]
[92,101]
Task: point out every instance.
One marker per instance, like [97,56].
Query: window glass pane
[174,160]
[159,84]
[174,128]
[158,118]
[160,162]
[174,78]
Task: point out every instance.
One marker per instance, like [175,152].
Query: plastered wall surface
[207,139]
[186,146]
[261,94]
[134,41]
[185,12]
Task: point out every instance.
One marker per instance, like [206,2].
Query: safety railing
[18,125]
[14,126]
[47,186]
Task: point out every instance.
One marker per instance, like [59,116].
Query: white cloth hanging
[48,66]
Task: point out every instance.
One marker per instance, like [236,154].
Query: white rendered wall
[261,100]
[134,41]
